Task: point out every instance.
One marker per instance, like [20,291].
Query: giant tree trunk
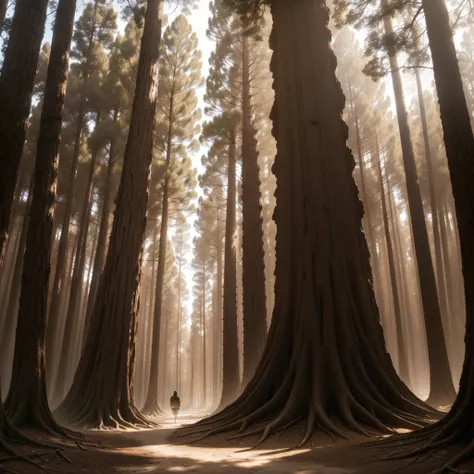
[151,406]
[72,327]
[27,402]
[16,87]
[254,298]
[102,391]
[403,369]
[456,428]
[441,389]
[325,360]
[231,379]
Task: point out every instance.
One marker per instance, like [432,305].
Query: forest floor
[159,451]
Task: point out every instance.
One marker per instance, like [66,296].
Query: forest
[237,235]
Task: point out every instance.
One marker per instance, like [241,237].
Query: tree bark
[442,388]
[102,391]
[325,358]
[231,379]
[27,402]
[16,88]
[254,297]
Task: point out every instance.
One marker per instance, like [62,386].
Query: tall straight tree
[456,428]
[180,74]
[325,305]
[254,297]
[102,390]
[27,403]
[16,88]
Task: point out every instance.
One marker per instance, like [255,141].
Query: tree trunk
[325,357]
[231,379]
[403,369]
[72,327]
[7,340]
[27,402]
[254,298]
[178,326]
[101,243]
[102,391]
[3,11]
[16,88]
[442,389]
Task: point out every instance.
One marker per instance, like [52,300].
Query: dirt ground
[160,451]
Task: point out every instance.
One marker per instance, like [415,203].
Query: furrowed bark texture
[102,390]
[231,379]
[27,403]
[16,87]
[457,427]
[325,358]
[442,390]
[254,297]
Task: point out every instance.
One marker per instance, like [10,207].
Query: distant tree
[16,88]
[177,127]
[100,396]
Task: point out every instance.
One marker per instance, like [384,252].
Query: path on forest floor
[158,451]
[154,452]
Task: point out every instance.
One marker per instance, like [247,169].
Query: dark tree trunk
[231,379]
[101,243]
[7,338]
[27,402]
[456,428]
[204,338]
[442,388]
[325,360]
[102,391]
[403,369]
[3,11]
[254,297]
[16,88]
[72,327]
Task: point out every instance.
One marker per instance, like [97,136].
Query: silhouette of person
[175,404]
